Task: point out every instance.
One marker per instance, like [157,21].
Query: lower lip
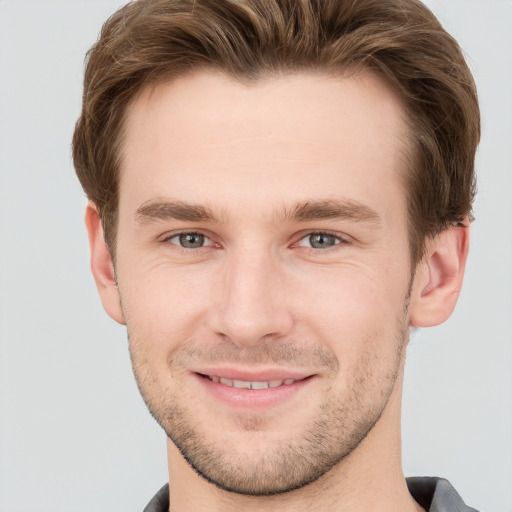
[252,398]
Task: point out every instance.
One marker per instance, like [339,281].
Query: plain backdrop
[74,433]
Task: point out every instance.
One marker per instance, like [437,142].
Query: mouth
[253,391]
[252,384]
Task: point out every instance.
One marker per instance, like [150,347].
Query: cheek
[162,308]
[353,307]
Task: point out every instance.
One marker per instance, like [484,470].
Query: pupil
[191,240]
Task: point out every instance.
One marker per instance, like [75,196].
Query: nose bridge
[251,305]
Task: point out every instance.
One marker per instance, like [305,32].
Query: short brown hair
[149,41]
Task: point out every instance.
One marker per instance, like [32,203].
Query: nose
[250,303]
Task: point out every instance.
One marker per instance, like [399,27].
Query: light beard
[339,426]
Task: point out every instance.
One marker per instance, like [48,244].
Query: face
[263,269]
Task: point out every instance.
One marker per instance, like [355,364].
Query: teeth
[259,385]
[244,384]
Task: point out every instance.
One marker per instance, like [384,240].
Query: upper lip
[251,375]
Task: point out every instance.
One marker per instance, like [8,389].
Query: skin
[299,267]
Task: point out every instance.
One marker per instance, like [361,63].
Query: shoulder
[436,495]
[160,501]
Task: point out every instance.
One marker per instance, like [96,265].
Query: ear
[438,278]
[102,266]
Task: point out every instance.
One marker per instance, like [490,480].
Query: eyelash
[340,241]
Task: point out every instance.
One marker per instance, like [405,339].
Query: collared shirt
[433,494]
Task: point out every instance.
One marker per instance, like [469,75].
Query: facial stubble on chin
[337,430]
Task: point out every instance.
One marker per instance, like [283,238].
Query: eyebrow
[173,210]
[154,210]
[332,209]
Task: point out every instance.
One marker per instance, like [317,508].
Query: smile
[246,390]
[244,384]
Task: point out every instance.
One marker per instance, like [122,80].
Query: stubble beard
[338,429]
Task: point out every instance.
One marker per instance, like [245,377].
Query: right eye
[190,240]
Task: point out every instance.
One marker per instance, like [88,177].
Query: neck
[369,479]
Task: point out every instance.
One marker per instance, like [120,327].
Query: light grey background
[74,434]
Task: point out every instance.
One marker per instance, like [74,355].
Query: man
[280,190]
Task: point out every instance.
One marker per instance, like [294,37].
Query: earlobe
[102,266]
[438,278]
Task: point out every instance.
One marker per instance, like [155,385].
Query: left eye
[320,241]
[190,240]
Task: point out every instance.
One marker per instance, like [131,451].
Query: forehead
[208,137]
